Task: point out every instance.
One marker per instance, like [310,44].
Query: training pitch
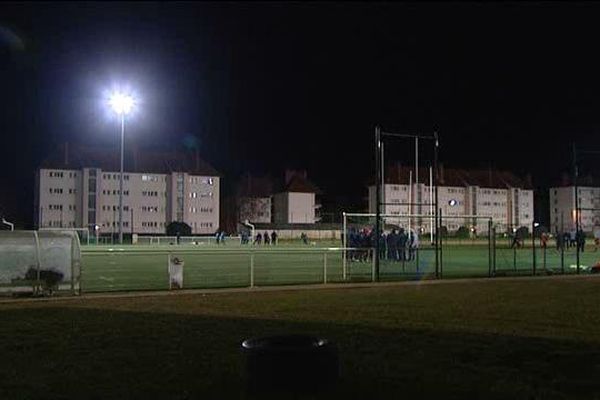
[526,338]
[144,267]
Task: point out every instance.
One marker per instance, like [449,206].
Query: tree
[181,228]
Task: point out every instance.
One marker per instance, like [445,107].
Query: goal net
[82,233]
[39,262]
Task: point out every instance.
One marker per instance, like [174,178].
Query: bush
[180,228]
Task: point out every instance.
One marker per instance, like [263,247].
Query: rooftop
[135,160]
[489,178]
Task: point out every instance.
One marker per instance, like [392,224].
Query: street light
[122,104]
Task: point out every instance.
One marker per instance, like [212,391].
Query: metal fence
[146,268]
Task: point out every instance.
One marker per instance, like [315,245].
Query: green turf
[497,339]
[119,268]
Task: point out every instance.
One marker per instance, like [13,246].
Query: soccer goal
[39,262]
[82,233]
[185,240]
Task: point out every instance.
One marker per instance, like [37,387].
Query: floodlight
[121,103]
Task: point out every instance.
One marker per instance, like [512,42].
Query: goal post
[40,262]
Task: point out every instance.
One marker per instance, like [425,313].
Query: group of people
[261,238]
[220,237]
[566,240]
[401,245]
[398,245]
[574,238]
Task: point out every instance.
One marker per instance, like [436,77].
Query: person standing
[273,238]
[391,246]
[559,241]
[267,238]
[401,240]
[258,239]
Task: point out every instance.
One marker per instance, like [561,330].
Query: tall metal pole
[575,176]
[431,205]
[378,199]
[417,191]
[121,181]
[385,211]
[438,223]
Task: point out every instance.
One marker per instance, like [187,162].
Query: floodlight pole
[121,181]
[377,199]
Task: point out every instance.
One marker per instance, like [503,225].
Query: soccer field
[120,268]
[494,339]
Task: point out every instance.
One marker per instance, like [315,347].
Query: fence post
[545,257]
[494,250]
[251,270]
[325,267]
[441,247]
[533,247]
[489,248]
[372,266]
[562,258]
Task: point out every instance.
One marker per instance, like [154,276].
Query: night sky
[264,86]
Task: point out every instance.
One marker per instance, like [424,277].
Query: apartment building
[466,198]
[80,189]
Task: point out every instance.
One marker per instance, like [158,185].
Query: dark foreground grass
[495,339]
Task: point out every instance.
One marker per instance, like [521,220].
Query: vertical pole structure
[533,246]
[345,246]
[377,201]
[131,221]
[441,246]
[325,268]
[431,205]
[490,249]
[417,191]
[121,181]
[410,199]
[562,258]
[252,269]
[383,177]
[438,221]
[575,176]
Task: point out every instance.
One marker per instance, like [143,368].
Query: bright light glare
[121,103]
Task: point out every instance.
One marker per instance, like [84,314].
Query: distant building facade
[81,190]
[296,202]
[501,195]
[264,200]
[562,205]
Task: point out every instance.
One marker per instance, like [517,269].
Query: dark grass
[495,339]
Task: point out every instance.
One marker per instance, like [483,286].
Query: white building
[562,207]
[296,203]
[158,188]
[507,199]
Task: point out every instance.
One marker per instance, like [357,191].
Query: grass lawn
[529,339]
